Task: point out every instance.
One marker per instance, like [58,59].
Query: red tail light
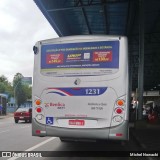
[119,110]
[39,109]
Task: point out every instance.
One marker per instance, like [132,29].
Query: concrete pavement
[148,137]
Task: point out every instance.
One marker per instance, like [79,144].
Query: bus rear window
[81,59]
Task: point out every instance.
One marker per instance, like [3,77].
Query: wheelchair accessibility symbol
[49,120]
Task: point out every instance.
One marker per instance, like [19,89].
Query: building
[11,107]
[3,104]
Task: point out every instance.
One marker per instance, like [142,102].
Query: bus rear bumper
[115,133]
[120,132]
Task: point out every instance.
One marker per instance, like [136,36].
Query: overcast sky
[21,25]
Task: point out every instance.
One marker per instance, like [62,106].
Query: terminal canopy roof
[112,17]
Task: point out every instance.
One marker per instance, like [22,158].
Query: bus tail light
[120,102]
[39,109]
[38,102]
[117,119]
[119,110]
[39,116]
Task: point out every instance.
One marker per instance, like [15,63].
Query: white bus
[80,88]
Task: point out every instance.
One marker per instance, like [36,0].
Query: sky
[21,25]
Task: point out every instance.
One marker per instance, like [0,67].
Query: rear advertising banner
[71,58]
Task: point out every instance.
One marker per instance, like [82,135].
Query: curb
[6,116]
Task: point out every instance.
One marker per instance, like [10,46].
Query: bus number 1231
[92,91]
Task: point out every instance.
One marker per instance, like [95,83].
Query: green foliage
[2,87]
[22,91]
[28,91]
[5,86]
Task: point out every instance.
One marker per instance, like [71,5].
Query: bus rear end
[80,88]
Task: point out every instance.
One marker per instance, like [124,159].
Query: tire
[64,139]
[16,120]
[26,121]
[71,140]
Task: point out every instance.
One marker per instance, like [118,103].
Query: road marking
[34,147]
[40,144]
[4,131]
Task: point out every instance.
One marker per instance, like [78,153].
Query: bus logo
[59,104]
[77,81]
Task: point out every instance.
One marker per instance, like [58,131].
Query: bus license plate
[77,122]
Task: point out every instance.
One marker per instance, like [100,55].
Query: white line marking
[34,147]
[4,131]
[40,144]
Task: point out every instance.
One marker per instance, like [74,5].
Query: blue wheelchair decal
[49,120]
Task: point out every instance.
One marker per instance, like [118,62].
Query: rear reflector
[119,134]
[116,134]
[38,131]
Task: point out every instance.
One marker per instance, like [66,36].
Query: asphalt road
[17,137]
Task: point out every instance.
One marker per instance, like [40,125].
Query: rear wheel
[66,139]
[26,121]
[16,120]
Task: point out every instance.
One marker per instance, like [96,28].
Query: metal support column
[141,58]
[130,78]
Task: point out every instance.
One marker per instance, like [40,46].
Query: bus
[81,88]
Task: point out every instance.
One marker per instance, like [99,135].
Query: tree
[2,87]
[3,79]
[20,92]
[28,91]
[5,86]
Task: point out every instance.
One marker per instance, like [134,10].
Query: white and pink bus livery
[80,88]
